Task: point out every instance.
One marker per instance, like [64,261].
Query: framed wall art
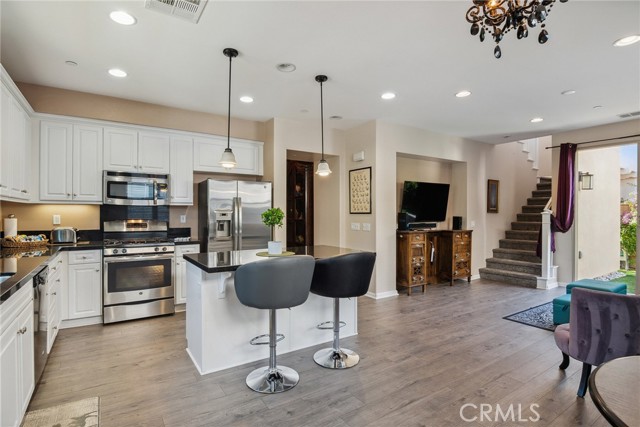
[360,191]
[493,195]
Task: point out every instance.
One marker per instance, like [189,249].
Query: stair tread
[514,262]
[514,274]
[517,251]
[517,240]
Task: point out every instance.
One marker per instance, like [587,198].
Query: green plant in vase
[273,217]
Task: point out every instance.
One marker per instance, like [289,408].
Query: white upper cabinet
[15,147]
[70,162]
[181,185]
[87,163]
[120,150]
[208,151]
[127,150]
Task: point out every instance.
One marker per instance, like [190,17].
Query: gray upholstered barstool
[344,276]
[272,284]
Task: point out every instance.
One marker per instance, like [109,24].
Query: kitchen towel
[10,227]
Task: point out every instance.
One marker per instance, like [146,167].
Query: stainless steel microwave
[135,189]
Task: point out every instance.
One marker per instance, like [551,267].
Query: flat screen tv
[426,200]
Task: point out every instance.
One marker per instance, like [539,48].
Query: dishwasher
[39,328]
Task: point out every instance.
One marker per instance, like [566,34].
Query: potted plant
[271,218]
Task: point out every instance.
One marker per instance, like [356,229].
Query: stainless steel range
[138,270]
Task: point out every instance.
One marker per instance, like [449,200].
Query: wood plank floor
[422,358]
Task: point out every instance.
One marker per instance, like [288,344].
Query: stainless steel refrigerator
[230,215]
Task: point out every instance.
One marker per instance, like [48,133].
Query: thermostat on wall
[359,156]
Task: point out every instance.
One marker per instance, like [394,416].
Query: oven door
[135,190]
[138,278]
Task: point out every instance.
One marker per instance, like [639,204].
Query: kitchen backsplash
[37,217]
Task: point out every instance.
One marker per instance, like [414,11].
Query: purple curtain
[563,220]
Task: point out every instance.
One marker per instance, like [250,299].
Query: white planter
[275,248]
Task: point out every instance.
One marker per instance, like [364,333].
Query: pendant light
[228,160]
[323,166]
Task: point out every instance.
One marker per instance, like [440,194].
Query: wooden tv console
[425,256]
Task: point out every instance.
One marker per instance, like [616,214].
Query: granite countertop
[17,267]
[219,262]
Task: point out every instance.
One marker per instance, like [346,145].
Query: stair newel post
[549,278]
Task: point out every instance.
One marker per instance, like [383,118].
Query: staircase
[515,261]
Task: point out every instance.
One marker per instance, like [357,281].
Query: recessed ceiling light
[388,95]
[286,67]
[246,99]
[536,120]
[463,94]
[597,107]
[568,92]
[122,17]
[336,117]
[71,63]
[626,41]
[116,72]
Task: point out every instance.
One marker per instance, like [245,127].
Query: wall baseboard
[382,295]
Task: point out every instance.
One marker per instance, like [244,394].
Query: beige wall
[598,213]
[424,170]
[304,136]
[393,139]
[544,156]
[508,164]
[50,100]
[566,248]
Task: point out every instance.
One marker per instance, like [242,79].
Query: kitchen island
[219,327]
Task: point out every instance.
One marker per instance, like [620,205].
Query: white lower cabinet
[17,378]
[180,283]
[54,297]
[84,293]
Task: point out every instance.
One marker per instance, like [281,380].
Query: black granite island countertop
[219,262]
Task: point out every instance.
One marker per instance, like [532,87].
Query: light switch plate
[366,226]
[56,220]
[355,226]
[183,219]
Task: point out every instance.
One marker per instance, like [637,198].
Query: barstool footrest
[325,325]
[256,340]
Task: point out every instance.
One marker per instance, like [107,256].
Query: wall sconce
[586,180]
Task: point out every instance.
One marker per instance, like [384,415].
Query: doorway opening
[606,214]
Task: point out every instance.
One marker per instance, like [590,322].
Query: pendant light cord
[229,106]
[322,121]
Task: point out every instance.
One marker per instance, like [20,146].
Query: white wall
[597,213]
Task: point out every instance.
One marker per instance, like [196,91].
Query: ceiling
[421,50]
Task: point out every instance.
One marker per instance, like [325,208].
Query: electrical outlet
[56,220]
[183,219]
[366,226]
[355,226]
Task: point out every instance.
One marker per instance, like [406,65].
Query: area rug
[81,413]
[540,316]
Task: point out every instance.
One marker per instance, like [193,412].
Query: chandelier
[498,17]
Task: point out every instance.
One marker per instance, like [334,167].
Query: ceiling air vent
[191,10]
[627,115]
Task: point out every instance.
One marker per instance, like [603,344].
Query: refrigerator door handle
[237,226]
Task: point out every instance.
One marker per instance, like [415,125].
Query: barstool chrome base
[336,359]
[263,380]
